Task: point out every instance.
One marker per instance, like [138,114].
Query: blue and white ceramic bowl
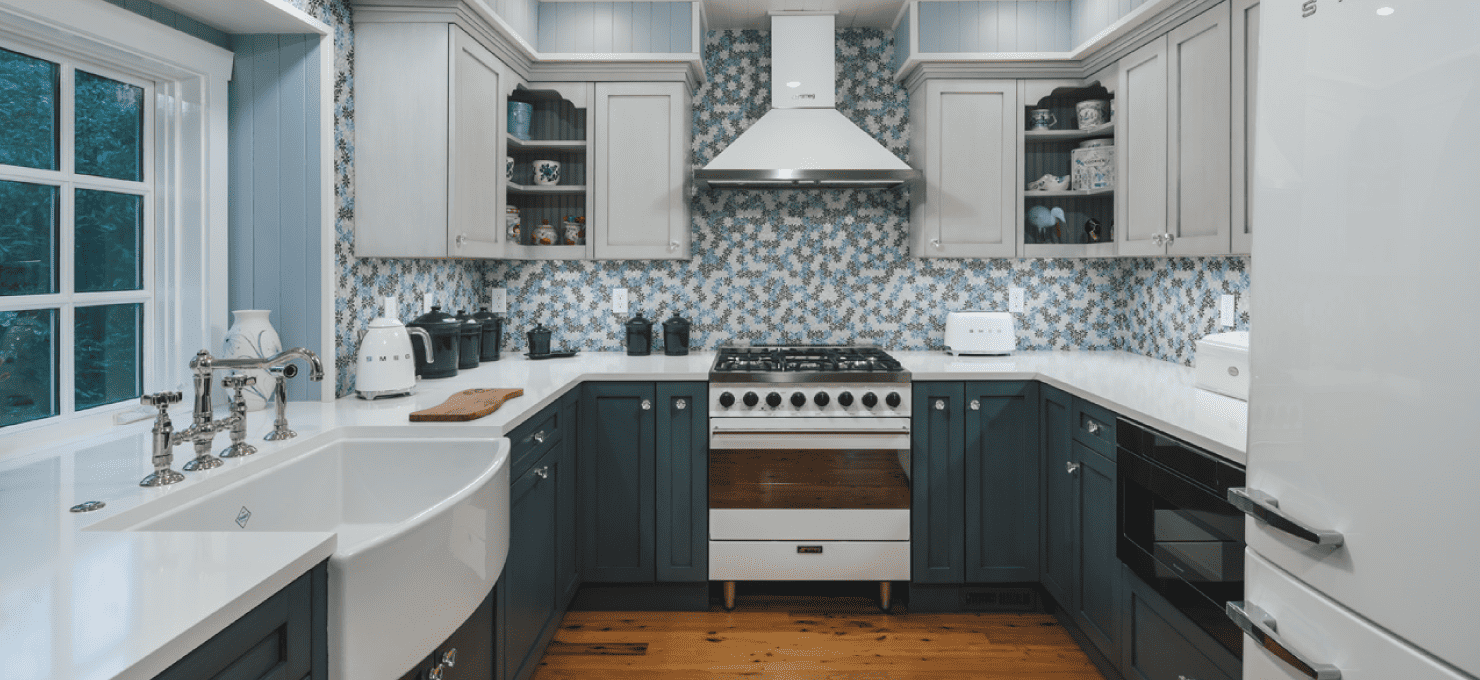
[547,173]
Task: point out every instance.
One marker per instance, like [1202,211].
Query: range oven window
[808,478]
[1178,533]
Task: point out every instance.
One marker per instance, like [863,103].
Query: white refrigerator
[1364,421]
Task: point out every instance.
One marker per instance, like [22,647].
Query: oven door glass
[809,463]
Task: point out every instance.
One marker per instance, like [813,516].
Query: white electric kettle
[385,365]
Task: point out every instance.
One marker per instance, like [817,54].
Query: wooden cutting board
[467,405]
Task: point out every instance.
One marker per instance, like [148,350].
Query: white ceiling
[752,13]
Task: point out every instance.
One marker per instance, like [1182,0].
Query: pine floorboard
[800,638]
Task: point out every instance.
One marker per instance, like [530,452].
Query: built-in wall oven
[1178,532]
[809,459]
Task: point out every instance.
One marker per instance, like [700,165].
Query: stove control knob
[845,399]
[751,399]
[726,399]
[821,399]
[870,400]
[892,400]
[798,399]
[773,400]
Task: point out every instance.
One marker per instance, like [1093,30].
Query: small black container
[469,345]
[539,340]
[445,331]
[639,336]
[676,336]
[493,335]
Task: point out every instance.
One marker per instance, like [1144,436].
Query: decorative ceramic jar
[676,336]
[575,232]
[1092,113]
[539,340]
[1092,168]
[543,235]
[470,340]
[547,173]
[520,114]
[511,223]
[1042,119]
[252,336]
[639,336]
[508,168]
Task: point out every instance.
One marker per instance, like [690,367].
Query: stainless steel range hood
[803,142]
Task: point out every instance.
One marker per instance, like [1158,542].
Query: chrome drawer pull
[976,404]
[543,473]
[681,405]
[1071,467]
[647,405]
[1265,508]
[1093,427]
[1260,626]
[539,437]
[940,404]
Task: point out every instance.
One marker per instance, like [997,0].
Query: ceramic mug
[1092,113]
[547,173]
[1042,119]
[520,115]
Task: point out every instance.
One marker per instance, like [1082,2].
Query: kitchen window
[112,213]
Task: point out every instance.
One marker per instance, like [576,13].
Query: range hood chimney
[803,142]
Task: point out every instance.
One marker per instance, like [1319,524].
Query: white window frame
[185,212]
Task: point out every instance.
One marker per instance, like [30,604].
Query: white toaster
[980,333]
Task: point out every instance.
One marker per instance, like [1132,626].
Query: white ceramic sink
[422,529]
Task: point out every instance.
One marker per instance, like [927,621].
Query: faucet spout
[315,366]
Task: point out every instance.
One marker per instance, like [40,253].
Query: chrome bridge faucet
[204,427]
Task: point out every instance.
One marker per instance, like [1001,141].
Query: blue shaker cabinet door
[617,464]
[1098,610]
[1002,468]
[1060,514]
[683,482]
[568,566]
[937,486]
[528,584]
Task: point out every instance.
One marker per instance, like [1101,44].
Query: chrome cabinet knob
[435,673]
[449,659]
[1093,427]
[1071,467]
[543,473]
[681,404]
[935,243]
[462,240]
[940,404]
[976,405]
[647,405]
[673,246]
[539,437]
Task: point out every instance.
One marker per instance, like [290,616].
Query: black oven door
[1178,533]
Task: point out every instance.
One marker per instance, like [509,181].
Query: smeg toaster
[980,333]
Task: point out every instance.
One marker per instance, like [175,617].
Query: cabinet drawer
[536,436]
[1164,645]
[1094,426]
[809,560]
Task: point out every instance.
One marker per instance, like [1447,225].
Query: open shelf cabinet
[1050,152]
[559,130]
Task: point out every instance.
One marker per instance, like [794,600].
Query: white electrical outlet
[392,308]
[1226,309]
[426,303]
[619,300]
[498,300]
[1015,299]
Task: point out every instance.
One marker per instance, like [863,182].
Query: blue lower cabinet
[937,481]
[285,637]
[467,654]
[1161,643]
[567,555]
[1059,554]
[1002,471]
[618,456]
[682,469]
[1098,606]
[530,609]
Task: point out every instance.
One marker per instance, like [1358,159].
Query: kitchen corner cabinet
[974,501]
[964,141]
[429,143]
[284,637]
[1245,17]
[1051,151]
[560,130]
[642,171]
[644,483]
[1175,162]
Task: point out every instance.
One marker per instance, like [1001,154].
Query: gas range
[816,381]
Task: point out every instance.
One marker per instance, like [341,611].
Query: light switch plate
[426,303]
[498,300]
[619,300]
[1015,299]
[1226,309]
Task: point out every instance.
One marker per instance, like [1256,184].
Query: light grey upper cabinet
[429,143]
[1141,154]
[1198,122]
[964,140]
[642,171]
[1245,15]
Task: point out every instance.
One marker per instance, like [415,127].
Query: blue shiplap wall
[521,15]
[276,202]
[1089,17]
[901,43]
[995,26]
[616,27]
[175,20]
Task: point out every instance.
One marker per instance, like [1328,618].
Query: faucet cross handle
[238,382]
[162,400]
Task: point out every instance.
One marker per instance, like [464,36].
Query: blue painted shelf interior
[1047,152]
[557,132]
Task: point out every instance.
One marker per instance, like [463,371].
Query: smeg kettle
[385,367]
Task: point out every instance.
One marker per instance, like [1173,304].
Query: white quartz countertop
[84,605]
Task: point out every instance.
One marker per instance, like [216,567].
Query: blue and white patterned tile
[1168,303]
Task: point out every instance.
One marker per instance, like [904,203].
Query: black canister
[469,346]
[493,334]
[639,336]
[445,331]
[539,340]
[676,336]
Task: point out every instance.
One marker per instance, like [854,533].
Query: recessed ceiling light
[794,83]
[1384,11]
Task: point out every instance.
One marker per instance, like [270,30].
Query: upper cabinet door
[1198,79]
[476,121]
[969,160]
[1141,158]
[1245,78]
[642,170]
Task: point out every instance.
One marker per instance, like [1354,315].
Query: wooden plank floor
[799,638]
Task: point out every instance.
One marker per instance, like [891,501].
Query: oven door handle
[1265,508]
[720,439]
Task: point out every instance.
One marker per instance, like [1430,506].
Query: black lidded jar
[639,336]
[470,342]
[493,334]
[676,336]
[539,340]
[445,331]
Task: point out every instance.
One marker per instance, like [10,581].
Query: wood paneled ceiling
[753,13]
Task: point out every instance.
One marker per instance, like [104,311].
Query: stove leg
[885,590]
[729,596]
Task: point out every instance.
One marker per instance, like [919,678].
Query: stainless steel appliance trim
[1265,508]
[1260,626]
[855,378]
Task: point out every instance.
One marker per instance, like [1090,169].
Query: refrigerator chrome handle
[1265,508]
[1260,626]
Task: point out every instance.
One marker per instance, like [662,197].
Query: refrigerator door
[1310,625]
[1365,395]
